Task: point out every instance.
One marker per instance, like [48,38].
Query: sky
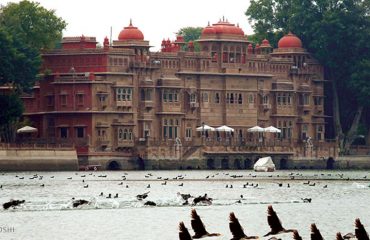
[157,19]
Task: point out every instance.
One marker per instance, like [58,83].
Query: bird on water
[198,226]
[275,223]
[315,233]
[183,232]
[360,231]
[237,230]
[296,235]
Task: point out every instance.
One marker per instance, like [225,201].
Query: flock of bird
[274,222]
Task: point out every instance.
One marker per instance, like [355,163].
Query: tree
[337,33]
[32,24]
[11,109]
[191,34]
[26,28]
[19,64]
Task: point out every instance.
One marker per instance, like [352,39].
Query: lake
[338,197]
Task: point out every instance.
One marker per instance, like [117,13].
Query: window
[63,100]
[146,94]
[170,95]
[286,129]
[102,98]
[170,128]
[188,133]
[250,98]
[240,98]
[193,98]
[304,131]
[306,99]
[284,99]
[319,132]
[50,100]
[123,94]
[217,97]
[80,132]
[317,101]
[102,133]
[205,97]
[80,98]
[124,134]
[63,132]
[231,98]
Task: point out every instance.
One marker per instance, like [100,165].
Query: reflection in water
[112,209]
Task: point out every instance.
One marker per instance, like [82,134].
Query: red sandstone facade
[121,101]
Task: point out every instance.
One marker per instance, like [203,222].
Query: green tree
[32,24]
[191,34]
[337,33]
[11,109]
[26,28]
[19,63]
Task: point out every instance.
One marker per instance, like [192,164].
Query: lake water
[48,212]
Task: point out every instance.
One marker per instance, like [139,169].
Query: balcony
[125,143]
[266,106]
[304,108]
[148,104]
[194,105]
[124,103]
[102,141]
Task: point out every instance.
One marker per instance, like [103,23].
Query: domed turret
[290,41]
[223,27]
[130,33]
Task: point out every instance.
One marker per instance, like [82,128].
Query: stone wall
[38,160]
[237,161]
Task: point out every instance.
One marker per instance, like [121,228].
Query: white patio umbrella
[256,129]
[205,128]
[27,129]
[225,128]
[272,129]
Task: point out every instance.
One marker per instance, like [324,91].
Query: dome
[290,41]
[208,30]
[265,43]
[130,33]
[223,27]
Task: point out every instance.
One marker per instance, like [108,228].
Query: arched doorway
[237,164]
[210,163]
[247,163]
[283,163]
[140,163]
[330,163]
[225,163]
[114,165]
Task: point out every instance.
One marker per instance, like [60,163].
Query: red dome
[208,30]
[265,42]
[290,41]
[223,27]
[130,33]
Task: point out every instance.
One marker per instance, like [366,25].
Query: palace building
[123,106]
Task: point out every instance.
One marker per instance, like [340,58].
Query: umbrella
[272,129]
[205,128]
[256,129]
[225,128]
[27,129]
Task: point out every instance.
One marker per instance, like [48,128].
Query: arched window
[125,134]
[120,134]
